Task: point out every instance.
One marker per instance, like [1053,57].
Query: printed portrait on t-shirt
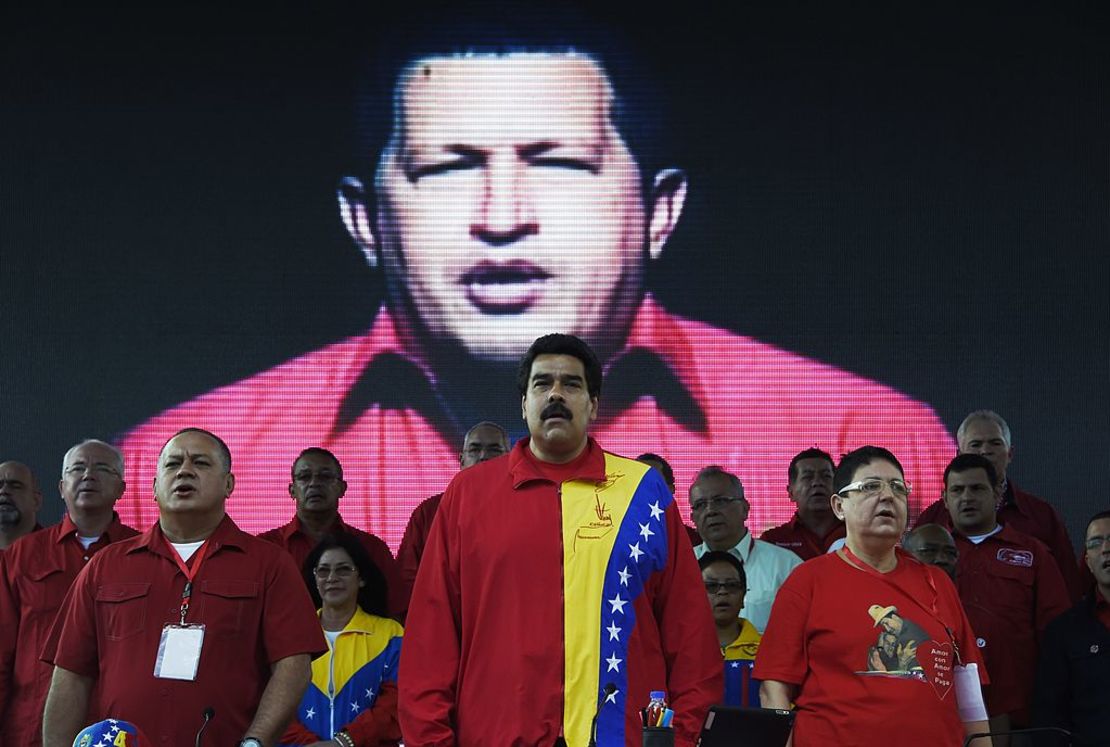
[895,651]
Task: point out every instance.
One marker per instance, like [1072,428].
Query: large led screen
[341,228]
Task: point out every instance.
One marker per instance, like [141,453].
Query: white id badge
[179,652]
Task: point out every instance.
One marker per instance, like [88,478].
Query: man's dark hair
[720,556]
[717,471]
[559,344]
[321,452]
[853,460]
[813,453]
[372,595]
[965,462]
[1097,517]
[225,453]
[501,28]
[664,465]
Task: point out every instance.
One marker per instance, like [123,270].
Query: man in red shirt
[557,583]
[814,527]
[37,572]
[20,501]
[1008,583]
[484,441]
[317,485]
[984,432]
[502,200]
[191,616]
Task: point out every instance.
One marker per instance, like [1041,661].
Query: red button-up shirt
[416,536]
[794,536]
[695,393]
[35,574]
[293,538]
[247,593]
[1011,589]
[1029,515]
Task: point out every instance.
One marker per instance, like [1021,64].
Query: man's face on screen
[508,204]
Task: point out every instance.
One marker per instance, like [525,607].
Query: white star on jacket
[645,531]
[634,551]
[625,575]
[614,631]
[613,662]
[618,604]
[656,512]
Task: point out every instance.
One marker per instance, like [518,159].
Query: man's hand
[288,679]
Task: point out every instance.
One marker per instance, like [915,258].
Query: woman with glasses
[871,645]
[726,584]
[352,698]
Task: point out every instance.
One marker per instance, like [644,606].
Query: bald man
[20,501]
[933,544]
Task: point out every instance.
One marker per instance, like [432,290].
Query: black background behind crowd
[919,196]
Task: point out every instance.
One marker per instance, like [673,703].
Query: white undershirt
[975,539]
[86,542]
[186,549]
[331,635]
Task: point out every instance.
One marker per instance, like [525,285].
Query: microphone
[1072,739]
[610,688]
[209,712]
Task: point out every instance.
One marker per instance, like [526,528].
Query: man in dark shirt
[1073,675]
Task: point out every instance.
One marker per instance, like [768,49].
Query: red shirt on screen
[697,394]
[825,635]
[253,603]
[35,575]
[1011,589]
[294,540]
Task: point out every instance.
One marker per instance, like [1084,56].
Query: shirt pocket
[227,604]
[1011,592]
[121,609]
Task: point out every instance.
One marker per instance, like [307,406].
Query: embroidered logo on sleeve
[1010,556]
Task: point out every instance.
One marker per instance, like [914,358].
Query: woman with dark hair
[871,645]
[352,698]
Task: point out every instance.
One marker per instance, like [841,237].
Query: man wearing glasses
[317,485]
[38,571]
[1073,678]
[720,510]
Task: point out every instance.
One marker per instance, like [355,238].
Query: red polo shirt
[247,593]
[35,575]
[297,542]
[1034,517]
[1011,589]
[412,543]
[794,536]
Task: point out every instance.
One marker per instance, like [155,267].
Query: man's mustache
[556,409]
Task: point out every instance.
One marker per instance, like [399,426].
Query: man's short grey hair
[990,415]
[117,454]
[718,471]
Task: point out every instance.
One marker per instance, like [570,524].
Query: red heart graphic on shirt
[937,661]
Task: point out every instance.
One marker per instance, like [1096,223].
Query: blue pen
[668,715]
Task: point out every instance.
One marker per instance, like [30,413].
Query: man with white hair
[984,432]
[38,571]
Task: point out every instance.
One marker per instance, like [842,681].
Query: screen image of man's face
[508,204]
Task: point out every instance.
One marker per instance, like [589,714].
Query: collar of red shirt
[657,361]
[296,526]
[227,534]
[523,470]
[68,529]
[1016,498]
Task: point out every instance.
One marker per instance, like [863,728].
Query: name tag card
[179,652]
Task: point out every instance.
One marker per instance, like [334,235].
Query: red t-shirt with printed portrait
[869,652]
